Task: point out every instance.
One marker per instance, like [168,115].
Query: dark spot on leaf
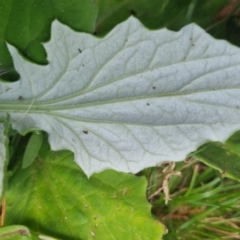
[20,98]
[190,39]
[95,33]
[193,45]
[148,104]
[85,132]
[80,50]
[125,191]
[24,232]
[133,12]
[153,87]
[83,65]
[8,89]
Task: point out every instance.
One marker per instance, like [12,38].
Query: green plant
[110,102]
[204,205]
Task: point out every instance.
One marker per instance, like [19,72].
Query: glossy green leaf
[32,149]
[25,24]
[224,157]
[54,197]
[130,100]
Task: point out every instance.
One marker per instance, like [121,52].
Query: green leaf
[54,197]
[3,155]
[4,127]
[17,233]
[32,149]
[173,14]
[223,157]
[130,100]
[112,12]
[26,24]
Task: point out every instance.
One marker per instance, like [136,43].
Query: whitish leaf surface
[130,100]
[54,197]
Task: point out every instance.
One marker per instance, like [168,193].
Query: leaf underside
[130,100]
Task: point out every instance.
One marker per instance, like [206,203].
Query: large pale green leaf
[54,197]
[130,100]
